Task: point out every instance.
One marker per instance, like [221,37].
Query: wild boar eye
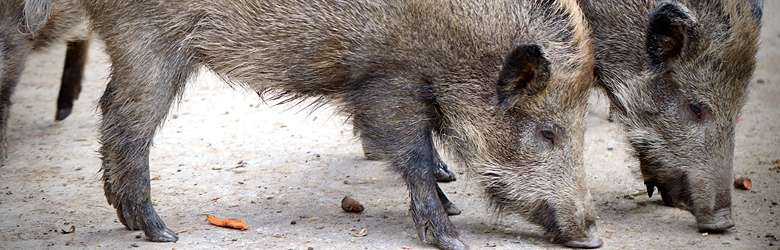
[548,135]
[697,109]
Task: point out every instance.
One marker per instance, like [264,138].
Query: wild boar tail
[36,14]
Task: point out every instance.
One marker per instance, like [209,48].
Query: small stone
[134,245]
[350,205]
[705,234]
[293,222]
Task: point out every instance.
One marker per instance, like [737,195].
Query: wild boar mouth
[674,193]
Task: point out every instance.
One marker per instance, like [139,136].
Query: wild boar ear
[525,72]
[671,33]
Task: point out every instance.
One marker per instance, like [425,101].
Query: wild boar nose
[720,222]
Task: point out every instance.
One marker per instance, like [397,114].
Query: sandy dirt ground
[285,170]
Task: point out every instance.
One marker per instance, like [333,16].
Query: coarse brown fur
[502,83]
[19,37]
[677,75]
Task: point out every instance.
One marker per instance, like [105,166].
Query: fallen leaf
[228,223]
[70,230]
[777,163]
[359,232]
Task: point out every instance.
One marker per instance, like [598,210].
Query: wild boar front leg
[144,83]
[397,122]
[440,172]
[427,208]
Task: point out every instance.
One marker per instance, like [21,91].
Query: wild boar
[503,84]
[676,74]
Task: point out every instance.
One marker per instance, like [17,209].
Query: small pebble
[350,205]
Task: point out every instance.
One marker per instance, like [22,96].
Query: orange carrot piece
[743,183]
[228,223]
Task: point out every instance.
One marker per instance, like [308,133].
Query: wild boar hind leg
[442,173]
[75,58]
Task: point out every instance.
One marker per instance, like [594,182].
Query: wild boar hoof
[443,174]
[585,244]
[63,113]
[452,244]
[451,209]
[161,235]
[144,218]
[426,234]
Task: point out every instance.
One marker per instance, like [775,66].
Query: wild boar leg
[428,212]
[398,122]
[449,207]
[13,58]
[442,173]
[75,58]
[144,83]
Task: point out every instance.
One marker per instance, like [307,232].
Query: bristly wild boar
[19,38]
[503,83]
[677,74]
